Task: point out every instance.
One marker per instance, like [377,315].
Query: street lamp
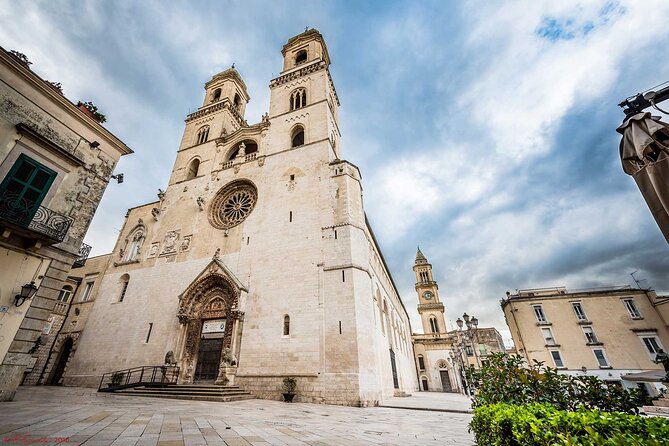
[472,324]
[27,292]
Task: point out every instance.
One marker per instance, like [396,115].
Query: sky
[484,131]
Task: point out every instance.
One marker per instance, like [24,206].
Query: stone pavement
[82,416]
[435,401]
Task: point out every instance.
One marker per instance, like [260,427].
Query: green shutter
[24,188]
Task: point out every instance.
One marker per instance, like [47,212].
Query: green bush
[543,425]
[507,379]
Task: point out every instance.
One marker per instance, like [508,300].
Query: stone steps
[196,392]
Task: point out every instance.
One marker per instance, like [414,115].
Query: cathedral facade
[260,245]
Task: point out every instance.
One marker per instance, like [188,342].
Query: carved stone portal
[213,296]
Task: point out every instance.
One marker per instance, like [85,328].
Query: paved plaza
[83,416]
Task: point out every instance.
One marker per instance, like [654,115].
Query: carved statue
[227,359]
[663,358]
[217,254]
[242,150]
[200,203]
[161,194]
[155,212]
[169,358]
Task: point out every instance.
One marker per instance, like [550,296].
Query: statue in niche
[242,150]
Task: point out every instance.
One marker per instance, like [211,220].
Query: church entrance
[57,375]
[445,381]
[208,358]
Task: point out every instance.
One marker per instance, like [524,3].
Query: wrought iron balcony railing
[18,211]
[84,251]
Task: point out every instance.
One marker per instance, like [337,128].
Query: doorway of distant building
[396,382]
[57,375]
[424,382]
[445,381]
[209,351]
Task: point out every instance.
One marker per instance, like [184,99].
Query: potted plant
[92,111]
[289,385]
[116,379]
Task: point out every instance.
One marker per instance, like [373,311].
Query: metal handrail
[139,376]
[84,251]
[15,209]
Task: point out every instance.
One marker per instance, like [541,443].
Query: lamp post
[472,324]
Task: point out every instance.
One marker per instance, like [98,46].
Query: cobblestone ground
[78,416]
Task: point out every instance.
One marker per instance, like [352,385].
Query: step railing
[151,375]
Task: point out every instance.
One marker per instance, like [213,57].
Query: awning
[650,376]
[644,153]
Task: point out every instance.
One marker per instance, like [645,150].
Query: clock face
[427,295]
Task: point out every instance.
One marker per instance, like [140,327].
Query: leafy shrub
[543,425]
[507,379]
[94,111]
[289,384]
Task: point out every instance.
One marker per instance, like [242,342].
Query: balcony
[45,225]
[84,251]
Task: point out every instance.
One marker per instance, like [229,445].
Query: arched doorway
[61,363]
[210,321]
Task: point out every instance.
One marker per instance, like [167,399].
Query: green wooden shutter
[24,188]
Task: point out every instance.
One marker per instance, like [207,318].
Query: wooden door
[208,359]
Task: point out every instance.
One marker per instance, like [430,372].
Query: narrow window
[248,239]
[217,95]
[539,313]
[290,217]
[421,362]
[343,276]
[468,350]
[65,293]
[578,310]
[301,57]
[193,167]
[632,309]
[601,358]
[335,234]
[298,137]
[548,336]
[203,134]
[557,359]
[433,325]
[148,335]
[87,292]
[339,327]
[286,325]
[125,279]
[238,101]
[590,337]
[424,381]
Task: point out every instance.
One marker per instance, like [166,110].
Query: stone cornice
[303,71]
[431,306]
[218,106]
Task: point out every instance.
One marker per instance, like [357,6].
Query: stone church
[259,244]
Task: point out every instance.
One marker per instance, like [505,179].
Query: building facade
[611,333]
[260,245]
[55,163]
[442,356]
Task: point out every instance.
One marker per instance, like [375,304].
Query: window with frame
[652,344]
[297,139]
[539,314]
[286,325]
[547,333]
[193,169]
[203,134]
[24,188]
[601,357]
[298,99]
[589,333]
[557,359]
[578,311]
[434,327]
[468,350]
[125,280]
[632,309]
[421,362]
[86,295]
[65,294]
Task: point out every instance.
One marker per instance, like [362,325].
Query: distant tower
[431,310]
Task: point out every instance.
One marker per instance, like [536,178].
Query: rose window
[232,204]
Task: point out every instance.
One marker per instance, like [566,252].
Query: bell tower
[430,308]
[303,97]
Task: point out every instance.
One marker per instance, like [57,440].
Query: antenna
[637,281]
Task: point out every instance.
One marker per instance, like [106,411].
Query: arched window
[65,294]
[298,99]
[203,134]
[217,95]
[124,281]
[193,167]
[250,146]
[301,57]
[237,101]
[286,325]
[298,137]
[133,244]
[433,324]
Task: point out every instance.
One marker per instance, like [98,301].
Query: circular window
[232,204]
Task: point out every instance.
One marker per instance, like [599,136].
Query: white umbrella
[644,153]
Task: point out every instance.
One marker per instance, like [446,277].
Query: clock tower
[430,308]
